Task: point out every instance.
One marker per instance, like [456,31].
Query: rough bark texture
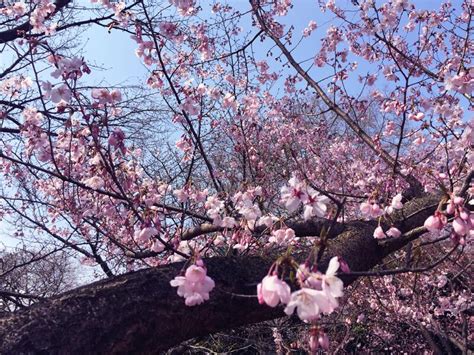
[140,312]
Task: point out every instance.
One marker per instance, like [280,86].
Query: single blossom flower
[331,283]
[272,291]
[293,195]
[315,205]
[194,286]
[379,233]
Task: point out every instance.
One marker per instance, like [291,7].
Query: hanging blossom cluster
[318,293]
[195,285]
[462,220]
[371,209]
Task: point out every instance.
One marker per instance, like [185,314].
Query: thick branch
[312,227]
[140,312]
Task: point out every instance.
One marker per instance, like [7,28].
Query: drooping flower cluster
[462,220]
[283,236]
[195,285]
[318,293]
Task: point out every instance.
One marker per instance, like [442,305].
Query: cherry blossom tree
[258,170]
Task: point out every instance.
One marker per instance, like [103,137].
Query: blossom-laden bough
[240,181]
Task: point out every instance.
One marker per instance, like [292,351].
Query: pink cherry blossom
[145,234]
[371,210]
[293,195]
[330,282]
[194,286]
[394,232]
[282,236]
[315,204]
[95,182]
[61,93]
[308,303]
[397,202]
[379,233]
[272,291]
[435,223]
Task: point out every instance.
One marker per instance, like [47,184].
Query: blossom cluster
[298,193]
[318,293]
[462,220]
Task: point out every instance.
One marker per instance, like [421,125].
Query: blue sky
[115,51]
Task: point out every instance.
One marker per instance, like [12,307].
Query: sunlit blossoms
[297,193]
[262,131]
[195,285]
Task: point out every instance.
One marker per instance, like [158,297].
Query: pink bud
[378,233]
[260,294]
[199,262]
[450,208]
[433,223]
[323,341]
[343,265]
[394,232]
[460,227]
[464,215]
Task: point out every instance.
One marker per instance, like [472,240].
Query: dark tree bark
[140,312]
